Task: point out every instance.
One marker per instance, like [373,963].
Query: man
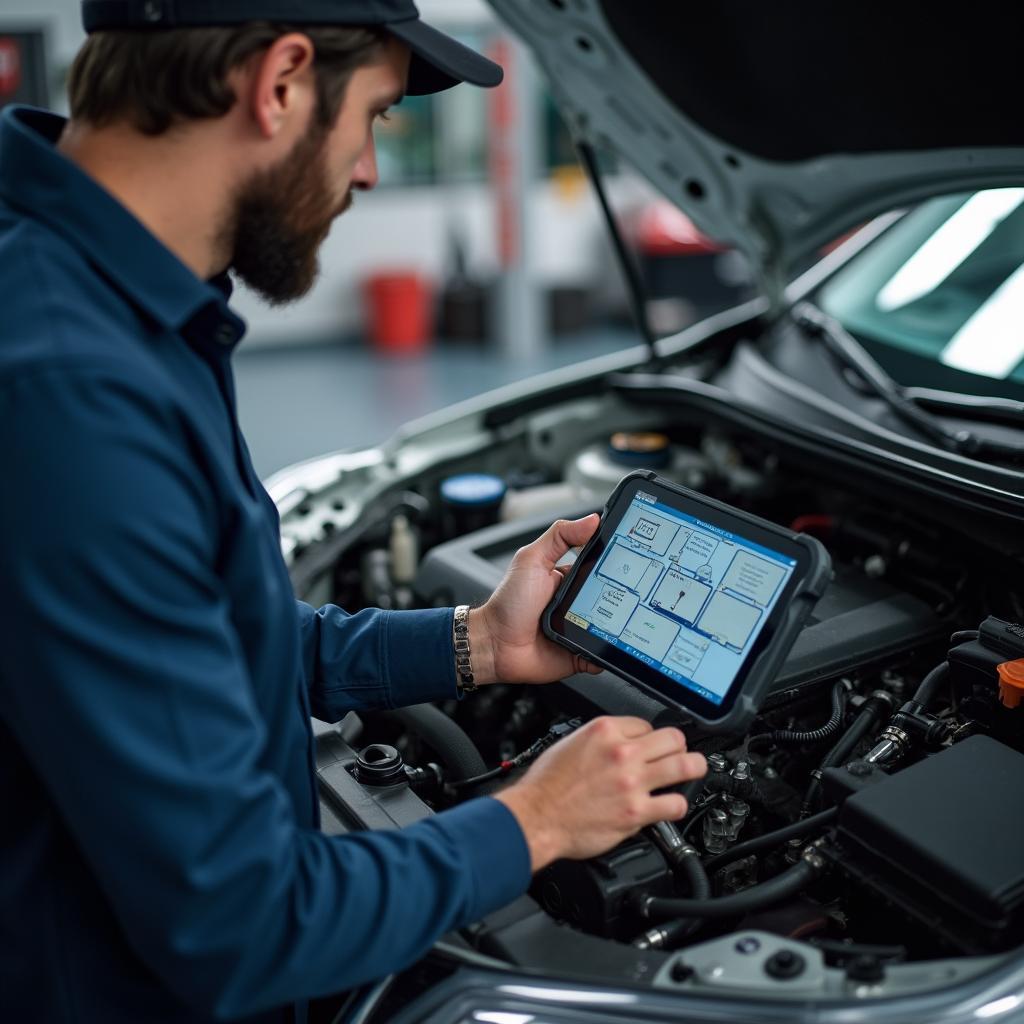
[162,859]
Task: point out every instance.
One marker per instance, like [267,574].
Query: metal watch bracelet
[463,666]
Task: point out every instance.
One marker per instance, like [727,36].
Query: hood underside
[779,127]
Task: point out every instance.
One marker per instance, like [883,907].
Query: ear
[281,85]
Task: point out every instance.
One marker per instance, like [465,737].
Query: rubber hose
[777,838]
[697,876]
[446,738]
[870,718]
[789,883]
[668,935]
[930,685]
[832,726]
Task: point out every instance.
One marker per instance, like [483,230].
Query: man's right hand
[593,789]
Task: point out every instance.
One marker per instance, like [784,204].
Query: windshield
[938,300]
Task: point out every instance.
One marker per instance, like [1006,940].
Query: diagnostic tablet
[691,600]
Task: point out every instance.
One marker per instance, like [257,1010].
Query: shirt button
[225,335]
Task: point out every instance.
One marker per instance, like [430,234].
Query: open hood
[779,127]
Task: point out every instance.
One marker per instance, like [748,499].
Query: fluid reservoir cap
[1011,682]
[640,450]
[380,765]
[476,490]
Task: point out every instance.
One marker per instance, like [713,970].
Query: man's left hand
[506,641]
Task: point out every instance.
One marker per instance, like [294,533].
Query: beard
[282,216]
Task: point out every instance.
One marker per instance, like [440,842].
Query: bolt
[784,964]
[681,971]
[866,969]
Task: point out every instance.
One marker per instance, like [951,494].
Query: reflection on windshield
[938,299]
[992,341]
[949,246]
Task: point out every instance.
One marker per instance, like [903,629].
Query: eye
[383,116]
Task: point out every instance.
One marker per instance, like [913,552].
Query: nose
[364,175]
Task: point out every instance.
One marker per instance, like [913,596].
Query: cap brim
[439,62]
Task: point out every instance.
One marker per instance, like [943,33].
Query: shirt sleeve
[375,659]
[116,623]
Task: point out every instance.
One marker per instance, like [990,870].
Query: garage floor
[298,401]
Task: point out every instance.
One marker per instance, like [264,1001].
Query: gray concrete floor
[295,402]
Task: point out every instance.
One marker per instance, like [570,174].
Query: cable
[533,751]
[813,524]
[699,813]
[868,721]
[789,883]
[929,687]
[503,769]
[839,692]
[781,835]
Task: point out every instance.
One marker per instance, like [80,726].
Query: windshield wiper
[917,406]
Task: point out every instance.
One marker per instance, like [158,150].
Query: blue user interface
[681,595]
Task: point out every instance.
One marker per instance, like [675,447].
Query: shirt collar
[41,182]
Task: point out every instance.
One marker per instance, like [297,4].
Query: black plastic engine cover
[859,621]
[944,839]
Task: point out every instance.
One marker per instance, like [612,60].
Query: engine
[872,815]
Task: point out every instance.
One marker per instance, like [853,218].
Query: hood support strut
[627,264]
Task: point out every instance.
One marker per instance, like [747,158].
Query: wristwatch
[463,666]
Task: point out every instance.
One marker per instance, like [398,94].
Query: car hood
[779,127]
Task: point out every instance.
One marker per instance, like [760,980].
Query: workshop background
[479,260]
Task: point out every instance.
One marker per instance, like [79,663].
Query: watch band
[463,665]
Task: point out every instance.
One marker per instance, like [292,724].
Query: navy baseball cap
[438,61]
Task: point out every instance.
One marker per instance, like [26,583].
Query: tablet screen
[681,595]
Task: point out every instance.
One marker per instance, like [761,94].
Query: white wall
[391,227]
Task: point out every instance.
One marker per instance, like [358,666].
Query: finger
[667,807]
[662,742]
[668,771]
[547,549]
[581,665]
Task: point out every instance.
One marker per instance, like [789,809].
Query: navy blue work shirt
[160,858]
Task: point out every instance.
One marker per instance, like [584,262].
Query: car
[872,398]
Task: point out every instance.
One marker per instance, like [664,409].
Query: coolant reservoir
[595,471]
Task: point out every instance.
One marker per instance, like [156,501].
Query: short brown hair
[158,79]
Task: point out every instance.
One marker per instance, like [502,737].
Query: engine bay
[867,834]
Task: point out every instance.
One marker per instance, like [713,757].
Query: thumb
[560,537]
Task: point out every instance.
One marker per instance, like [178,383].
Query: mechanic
[163,860]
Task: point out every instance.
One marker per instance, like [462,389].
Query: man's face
[284,213]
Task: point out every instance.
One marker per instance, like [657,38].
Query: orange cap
[1011,682]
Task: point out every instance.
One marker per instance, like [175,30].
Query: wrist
[543,841]
[481,647]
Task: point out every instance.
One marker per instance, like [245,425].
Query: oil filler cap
[380,765]
[1011,682]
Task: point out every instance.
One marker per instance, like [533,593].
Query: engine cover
[944,840]
[859,622]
